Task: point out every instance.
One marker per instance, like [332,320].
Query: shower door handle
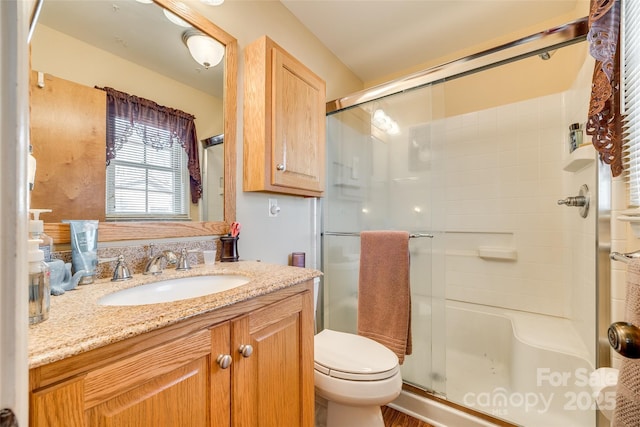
[625,339]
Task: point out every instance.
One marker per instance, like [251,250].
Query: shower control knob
[224,360]
[625,339]
[245,350]
[573,201]
[581,201]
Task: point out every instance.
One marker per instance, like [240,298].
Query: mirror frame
[146,230]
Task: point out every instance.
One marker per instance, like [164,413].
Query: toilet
[355,375]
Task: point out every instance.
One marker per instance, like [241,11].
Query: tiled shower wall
[499,187]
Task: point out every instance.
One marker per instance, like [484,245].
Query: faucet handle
[183,261]
[121,272]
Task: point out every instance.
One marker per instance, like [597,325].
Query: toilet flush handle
[245,350]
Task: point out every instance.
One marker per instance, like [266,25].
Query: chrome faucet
[154,264]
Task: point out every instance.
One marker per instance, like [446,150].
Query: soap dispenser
[39,285]
[36,231]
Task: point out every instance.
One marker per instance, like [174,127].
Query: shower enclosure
[477,154]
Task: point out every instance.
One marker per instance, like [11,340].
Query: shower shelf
[579,158]
[489,253]
[498,253]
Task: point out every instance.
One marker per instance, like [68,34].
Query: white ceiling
[376,38]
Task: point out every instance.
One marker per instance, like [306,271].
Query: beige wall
[56,53]
[247,20]
[272,239]
[515,82]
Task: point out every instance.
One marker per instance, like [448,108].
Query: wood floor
[393,418]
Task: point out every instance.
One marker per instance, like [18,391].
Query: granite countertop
[77,323]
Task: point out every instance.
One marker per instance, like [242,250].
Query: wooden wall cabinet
[284,123]
[164,380]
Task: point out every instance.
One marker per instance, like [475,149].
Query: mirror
[111,231]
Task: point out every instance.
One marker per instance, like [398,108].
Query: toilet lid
[353,357]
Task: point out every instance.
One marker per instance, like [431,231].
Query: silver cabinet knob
[625,339]
[224,360]
[280,166]
[245,350]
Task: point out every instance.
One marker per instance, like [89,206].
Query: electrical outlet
[274,209]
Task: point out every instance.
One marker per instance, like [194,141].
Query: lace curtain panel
[139,112]
[604,123]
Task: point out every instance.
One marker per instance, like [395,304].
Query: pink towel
[384,296]
[627,410]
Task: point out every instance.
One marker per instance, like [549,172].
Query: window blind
[143,181]
[631,95]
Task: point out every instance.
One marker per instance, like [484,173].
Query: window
[152,158]
[144,181]
[631,95]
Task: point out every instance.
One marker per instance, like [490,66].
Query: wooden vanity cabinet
[284,123]
[172,377]
[274,386]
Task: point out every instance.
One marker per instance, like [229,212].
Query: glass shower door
[380,178]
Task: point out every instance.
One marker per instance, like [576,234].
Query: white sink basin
[174,290]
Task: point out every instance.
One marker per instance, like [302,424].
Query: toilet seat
[353,357]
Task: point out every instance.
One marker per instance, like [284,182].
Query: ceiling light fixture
[212,2]
[205,50]
[175,19]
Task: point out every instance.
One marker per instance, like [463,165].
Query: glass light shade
[175,19]
[212,2]
[204,50]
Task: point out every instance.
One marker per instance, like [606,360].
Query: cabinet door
[273,386]
[58,405]
[298,145]
[220,376]
[165,386]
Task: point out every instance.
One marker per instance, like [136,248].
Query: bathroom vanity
[242,357]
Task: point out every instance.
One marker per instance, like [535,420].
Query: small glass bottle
[36,231]
[575,136]
[39,286]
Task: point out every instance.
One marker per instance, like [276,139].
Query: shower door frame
[536,44]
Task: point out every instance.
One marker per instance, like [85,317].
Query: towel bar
[628,257]
[357,234]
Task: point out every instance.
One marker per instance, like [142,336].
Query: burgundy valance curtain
[605,122]
[138,111]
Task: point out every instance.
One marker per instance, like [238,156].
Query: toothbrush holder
[229,250]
